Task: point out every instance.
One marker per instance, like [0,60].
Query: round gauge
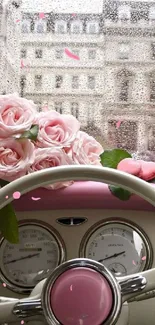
[123,248]
[23,265]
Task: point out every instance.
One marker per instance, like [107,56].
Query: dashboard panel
[122,239]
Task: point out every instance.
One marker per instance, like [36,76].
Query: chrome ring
[81,262]
[61,246]
[119,221]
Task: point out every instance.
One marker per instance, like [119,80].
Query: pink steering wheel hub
[81,296]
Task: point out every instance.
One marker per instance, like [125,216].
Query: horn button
[81,296]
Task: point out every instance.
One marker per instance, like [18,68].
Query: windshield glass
[93,59]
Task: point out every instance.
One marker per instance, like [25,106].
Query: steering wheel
[79,291]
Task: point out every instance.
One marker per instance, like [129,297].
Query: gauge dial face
[121,248]
[30,261]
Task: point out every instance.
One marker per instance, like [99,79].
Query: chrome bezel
[81,262]
[62,254]
[119,221]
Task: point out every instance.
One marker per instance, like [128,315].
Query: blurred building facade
[98,67]
[10,46]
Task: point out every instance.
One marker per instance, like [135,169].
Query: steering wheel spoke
[137,284]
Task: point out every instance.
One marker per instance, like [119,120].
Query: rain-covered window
[124,50]
[152,13]
[38,82]
[124,86]
[152,87]
[76,27]
[153,51]
[91,82]
[59,53]
[61,27]
[124,13]
[58,81]
[93,59]
[23,53]
[40,27]
[92,27]
[25,26]
[75,82]
[151,137]
[92,54]
[75,109]
[58,107]
[38,53]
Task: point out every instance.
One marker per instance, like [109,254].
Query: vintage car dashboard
[84,220]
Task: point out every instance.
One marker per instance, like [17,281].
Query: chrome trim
[71,218]
[62,253]
[134,226]
[130,285]
[28,309]
[81,262]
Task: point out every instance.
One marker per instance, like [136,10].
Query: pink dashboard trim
[80,195]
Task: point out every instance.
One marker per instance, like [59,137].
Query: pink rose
[16,115]
[140,168]
[15,158]
[56,130]
[50,157]
[85,150]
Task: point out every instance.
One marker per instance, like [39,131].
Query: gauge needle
[114,255]
[22,258]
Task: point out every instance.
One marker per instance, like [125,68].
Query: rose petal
[130,166]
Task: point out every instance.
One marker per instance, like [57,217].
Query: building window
[25,27]
[152,14]
[76,27]
[152,89]
[58,107]
[75,82]
[38,54]
[123,51]
[23,54]
[39,106]
[124,78]
[139,14]
[151,137]
[76,52]
[91,82]
[124,90]
[92,28]
[75,109]
[59,54]
[38,82]
[123,137]
[22,85]
[58,81]
[153,51]
[111,12]
[40,27]
[60,27]
[92,54]
[124,13]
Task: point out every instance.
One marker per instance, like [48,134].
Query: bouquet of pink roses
[32,140]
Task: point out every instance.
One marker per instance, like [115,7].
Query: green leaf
[3,182]
[111,158]
[9,224]
[31,134]
[152,181]
[120,193]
